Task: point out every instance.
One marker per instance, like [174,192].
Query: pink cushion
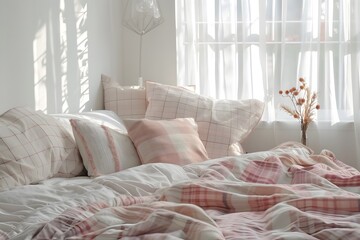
[223,124]
[168,141]
[126,102]
[103,149]
[33,147]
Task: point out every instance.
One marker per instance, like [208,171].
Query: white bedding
[66,181]
[285,193]
[24,209]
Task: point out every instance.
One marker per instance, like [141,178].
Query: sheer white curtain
[239,49]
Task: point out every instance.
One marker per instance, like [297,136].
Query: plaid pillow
[223,124]
[126,102]
[168,141]
[33,147]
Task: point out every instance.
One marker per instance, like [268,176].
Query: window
[239,49]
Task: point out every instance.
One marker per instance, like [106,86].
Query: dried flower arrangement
[304,105]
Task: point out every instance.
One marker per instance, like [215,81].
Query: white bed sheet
[24,209]
[61,181]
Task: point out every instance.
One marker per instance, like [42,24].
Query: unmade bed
[99,175]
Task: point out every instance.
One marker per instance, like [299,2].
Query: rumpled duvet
[285,193]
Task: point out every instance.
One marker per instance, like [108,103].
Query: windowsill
[323,125]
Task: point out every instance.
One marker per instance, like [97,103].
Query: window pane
[265,45]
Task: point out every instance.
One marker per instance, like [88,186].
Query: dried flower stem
[303,107]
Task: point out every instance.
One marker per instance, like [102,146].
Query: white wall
[338,138]
[158,51]
[52,53]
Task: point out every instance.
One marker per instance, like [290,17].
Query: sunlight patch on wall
[348,98]
[83,57]
[82,75]
[39,53]
[60,58]
[63,51]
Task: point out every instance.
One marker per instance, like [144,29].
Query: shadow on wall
[60,56]
[44,54]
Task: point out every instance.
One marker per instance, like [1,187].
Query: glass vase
[303,133]
[303,137]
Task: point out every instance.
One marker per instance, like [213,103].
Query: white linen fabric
[25,207]
[103,149]
[104,117]
[222,124]
[62,181]
[33,147]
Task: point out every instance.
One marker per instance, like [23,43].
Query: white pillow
[126,102]
[173,141]
[33,147]
[223,124]
[103,149]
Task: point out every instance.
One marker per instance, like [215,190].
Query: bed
[157,175]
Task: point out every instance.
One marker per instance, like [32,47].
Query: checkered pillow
[33,147]
[103,149]
[168,141]
[223,124]
[126,102]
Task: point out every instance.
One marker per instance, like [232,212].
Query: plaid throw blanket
[280,194]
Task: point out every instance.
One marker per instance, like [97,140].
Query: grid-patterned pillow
[103,149]
[168,141]
[223,124]
[33,146]
[126,102]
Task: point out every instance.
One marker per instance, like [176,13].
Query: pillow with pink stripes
[168,141]
[223,124]
[103,149]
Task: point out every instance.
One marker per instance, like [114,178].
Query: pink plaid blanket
[284,195]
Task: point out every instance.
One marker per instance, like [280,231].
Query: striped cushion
[167,141]
[103,149]
[126,102]
[223,124]
[107,118]
[33,147]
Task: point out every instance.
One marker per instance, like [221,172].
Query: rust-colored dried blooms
[304,103]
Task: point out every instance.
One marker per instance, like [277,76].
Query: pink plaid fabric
[126,102]
[158,220]
[33,147]
[223,124]
[169,141]
[230,198]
